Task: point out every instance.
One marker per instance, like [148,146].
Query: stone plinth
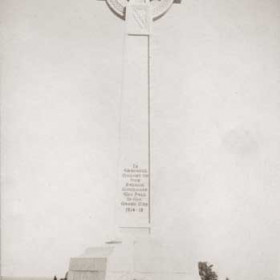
[143,258]
[92,265]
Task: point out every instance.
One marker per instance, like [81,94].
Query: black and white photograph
[140,139]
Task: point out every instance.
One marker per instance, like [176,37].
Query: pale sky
[215,115]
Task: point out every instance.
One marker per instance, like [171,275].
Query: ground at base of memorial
[25,278]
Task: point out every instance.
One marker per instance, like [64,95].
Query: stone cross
[121,259]
[134,183]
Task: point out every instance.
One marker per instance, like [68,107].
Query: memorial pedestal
[92,265]
[143,258]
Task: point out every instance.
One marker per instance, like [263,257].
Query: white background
[215,132]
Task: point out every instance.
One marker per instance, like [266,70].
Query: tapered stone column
[134,159]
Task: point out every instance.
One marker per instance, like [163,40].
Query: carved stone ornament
[158,7]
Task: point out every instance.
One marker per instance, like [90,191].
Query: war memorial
[139,139]
[135,253]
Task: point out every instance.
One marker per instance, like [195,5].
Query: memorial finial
[158,7]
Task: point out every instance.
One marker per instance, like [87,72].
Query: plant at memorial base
[206,272]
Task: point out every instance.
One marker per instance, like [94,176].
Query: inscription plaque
[134,197]
[135,190]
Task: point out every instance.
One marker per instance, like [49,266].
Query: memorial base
[132,259]
[92,265]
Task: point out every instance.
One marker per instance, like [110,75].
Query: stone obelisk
[130,255]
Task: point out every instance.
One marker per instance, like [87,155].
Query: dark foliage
[206,272]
